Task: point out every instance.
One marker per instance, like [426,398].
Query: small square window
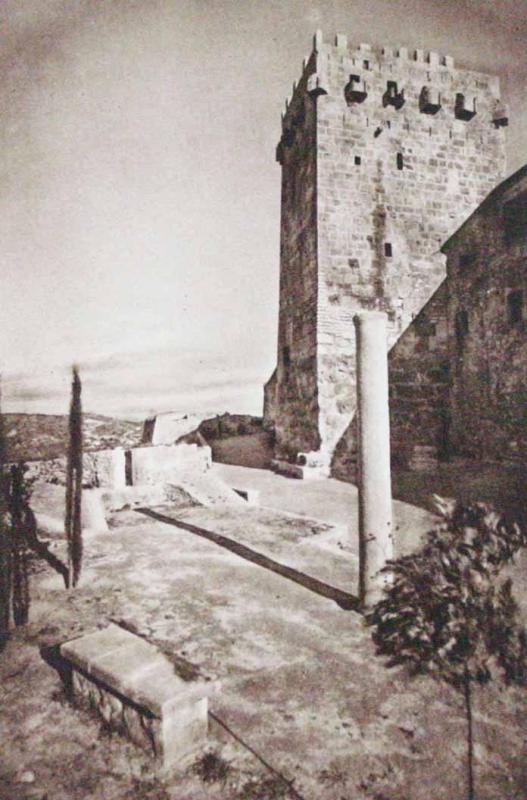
[357,161]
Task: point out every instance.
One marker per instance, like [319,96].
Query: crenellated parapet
[393,77]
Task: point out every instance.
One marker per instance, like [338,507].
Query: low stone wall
[101,468]
[163,463]
[107,469]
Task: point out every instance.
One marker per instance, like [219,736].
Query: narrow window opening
[400,161]
[357,161]
[286,356]
[388,249]
[515,307]
[366,64]
[462,327]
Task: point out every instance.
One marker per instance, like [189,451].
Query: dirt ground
[263,602]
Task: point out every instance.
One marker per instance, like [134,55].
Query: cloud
[139,384]
[315,17]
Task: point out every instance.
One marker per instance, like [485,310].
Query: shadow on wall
[344,458]
[500,485]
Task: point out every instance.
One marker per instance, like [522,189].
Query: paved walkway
[259,600]
[329,500]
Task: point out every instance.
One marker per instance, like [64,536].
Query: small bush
[212,768]
[446,615]
[272,788]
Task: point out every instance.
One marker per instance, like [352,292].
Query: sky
[140,198]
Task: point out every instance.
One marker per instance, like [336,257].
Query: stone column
[375,495]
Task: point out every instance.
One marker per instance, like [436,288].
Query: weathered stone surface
[168,428]
[369,193]
[101,468]
[84,651]
[419,379]
[487,319]
[458,373]
[160,464]
[136,690]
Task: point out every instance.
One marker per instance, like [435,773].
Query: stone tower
[384,153]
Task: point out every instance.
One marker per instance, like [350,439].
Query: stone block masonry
[137,691]
[458,374]
[117,468]
[419,371]
[384,153]
[487,320]
[151,465]
[419,379]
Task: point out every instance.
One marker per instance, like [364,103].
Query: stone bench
[137,691]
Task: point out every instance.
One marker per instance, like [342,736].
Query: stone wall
[458,374]
[293,405]
[418,368]
[114,469]
[150,465]
[104,468]
[394,166]
[487,301]
[168,428]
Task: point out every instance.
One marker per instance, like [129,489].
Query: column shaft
[375,496]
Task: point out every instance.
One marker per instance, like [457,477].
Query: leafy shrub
[212,768]
[446,615]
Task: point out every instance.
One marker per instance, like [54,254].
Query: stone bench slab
[136,689]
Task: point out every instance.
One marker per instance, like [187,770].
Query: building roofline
[488,201]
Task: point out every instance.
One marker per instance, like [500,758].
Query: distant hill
[40,436]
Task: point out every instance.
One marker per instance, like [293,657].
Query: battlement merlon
[364,58]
